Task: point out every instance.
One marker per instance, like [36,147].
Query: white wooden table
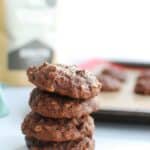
[108,136]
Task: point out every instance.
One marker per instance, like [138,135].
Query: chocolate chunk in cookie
[116,73]
[55,106]
[65,80]
[58,130]
[109,84]
[82,144]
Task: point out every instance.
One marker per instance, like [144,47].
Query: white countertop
[108,136]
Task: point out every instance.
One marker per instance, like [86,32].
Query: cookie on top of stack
[61,104]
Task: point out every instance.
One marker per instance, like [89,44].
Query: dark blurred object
[33,53]
[133,64]
[122,117]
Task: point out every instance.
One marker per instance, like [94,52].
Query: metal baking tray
[124,105]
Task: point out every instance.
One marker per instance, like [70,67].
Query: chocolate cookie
[142,86]
[58,130]
[144,74]
[55,106]
[83,144]
[115,73]
[109,84]
[65,80]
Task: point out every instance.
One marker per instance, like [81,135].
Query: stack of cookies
[61,104]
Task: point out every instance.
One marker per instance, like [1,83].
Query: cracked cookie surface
[65,80]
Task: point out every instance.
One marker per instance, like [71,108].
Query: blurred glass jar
[27,37]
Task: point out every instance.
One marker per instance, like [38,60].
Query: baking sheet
[125,103]
[126,99]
